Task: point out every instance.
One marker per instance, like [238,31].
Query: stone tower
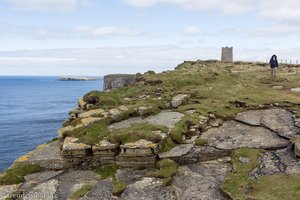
[227,54]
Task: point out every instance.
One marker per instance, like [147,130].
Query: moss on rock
[15,175]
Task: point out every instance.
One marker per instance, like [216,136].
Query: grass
[212,86]
[200,141]
[181,128]
[15,175]
[118,187]
[166,170]
[91,134]
[81,192]
[239,186]
[107,171]
[167,145]
[136,132]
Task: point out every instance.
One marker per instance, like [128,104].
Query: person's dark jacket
[273,62]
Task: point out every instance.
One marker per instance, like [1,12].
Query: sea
[32,109]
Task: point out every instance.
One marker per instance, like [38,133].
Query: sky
[99,37]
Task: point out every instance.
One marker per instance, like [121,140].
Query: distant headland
[77,78]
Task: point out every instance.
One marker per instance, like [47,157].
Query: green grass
[275,187]
[15,175]
[107,171]
[167,145]
[212,87]
[181,128]
[200,141]
[166,170]
[91,134]
[81,192]
[118,187]
[136,132]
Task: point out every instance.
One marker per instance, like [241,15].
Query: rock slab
[278,120]
[235,135]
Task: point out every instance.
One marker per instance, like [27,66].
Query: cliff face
[207,130]
[114,81]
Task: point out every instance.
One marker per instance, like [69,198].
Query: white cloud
[47,5]
[277,30]
[288,10]
[101,61]
[44,32]
[102,31]
[275,9]
[192,30]
[228,7]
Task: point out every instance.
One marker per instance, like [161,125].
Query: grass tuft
[15,175]
[166,170]
[81,192]
[136,132]
[107,171]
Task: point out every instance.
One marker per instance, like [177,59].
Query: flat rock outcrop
[74,180]
[47,156]
[201,154]
[177,151]
[279,161]
[201,181]
[278,120]
[234,135]
[46,191]
[165,118]
[7,190]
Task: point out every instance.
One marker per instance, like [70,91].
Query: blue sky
[89,37]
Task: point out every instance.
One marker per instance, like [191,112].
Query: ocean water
[32,109]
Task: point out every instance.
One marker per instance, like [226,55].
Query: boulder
[114,112]
[144,110]
[244,160]
[235,135]
[178,100]
[277,87]
[296,90]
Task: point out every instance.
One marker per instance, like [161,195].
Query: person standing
[273,64]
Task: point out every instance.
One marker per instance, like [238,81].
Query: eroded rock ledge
[208,164]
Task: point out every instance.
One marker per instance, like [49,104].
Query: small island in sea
[78,78]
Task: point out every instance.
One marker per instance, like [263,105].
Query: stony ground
[222,143]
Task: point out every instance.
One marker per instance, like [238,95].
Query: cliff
[206,130]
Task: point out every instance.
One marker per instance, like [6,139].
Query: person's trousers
[273,72]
